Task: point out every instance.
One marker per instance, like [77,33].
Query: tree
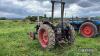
[45,15]
[3,18]
[31,18]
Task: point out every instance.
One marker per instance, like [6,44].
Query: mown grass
[14,41]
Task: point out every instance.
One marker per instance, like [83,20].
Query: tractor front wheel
[46,36]
[88,29]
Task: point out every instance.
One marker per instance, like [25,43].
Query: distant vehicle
[88,27]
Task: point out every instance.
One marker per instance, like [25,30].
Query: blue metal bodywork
[77,23]
[96,22]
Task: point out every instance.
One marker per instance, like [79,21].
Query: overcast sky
[23,8]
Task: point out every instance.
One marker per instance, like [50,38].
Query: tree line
[30,18]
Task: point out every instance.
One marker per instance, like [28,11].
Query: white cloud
[41,7]
[3,14]
[73,10]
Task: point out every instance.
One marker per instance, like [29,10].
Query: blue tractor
[87,27]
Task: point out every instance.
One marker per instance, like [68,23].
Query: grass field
[14,41]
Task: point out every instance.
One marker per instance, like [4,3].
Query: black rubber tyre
[71,33]
[50,36]
[88,29]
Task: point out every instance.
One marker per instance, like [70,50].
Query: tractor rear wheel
[46,36]
[71,33]
[69,37]
[88,29]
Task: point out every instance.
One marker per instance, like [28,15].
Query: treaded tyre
[46,36]
[71,33]
[88,29]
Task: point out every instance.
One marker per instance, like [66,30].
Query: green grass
[14,41]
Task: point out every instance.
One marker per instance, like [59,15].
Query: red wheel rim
[43,38]
[87,31]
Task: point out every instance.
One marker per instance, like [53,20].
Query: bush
[31,18]
[3,18]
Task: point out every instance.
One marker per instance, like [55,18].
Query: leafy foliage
[31,18]
[3,18]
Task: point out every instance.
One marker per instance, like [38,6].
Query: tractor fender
[45,22]
[49,23]
[88,21]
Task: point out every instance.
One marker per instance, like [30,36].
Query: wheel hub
[43,38]
[87,30]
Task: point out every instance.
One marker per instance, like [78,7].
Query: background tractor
[50,34]
[87,27]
